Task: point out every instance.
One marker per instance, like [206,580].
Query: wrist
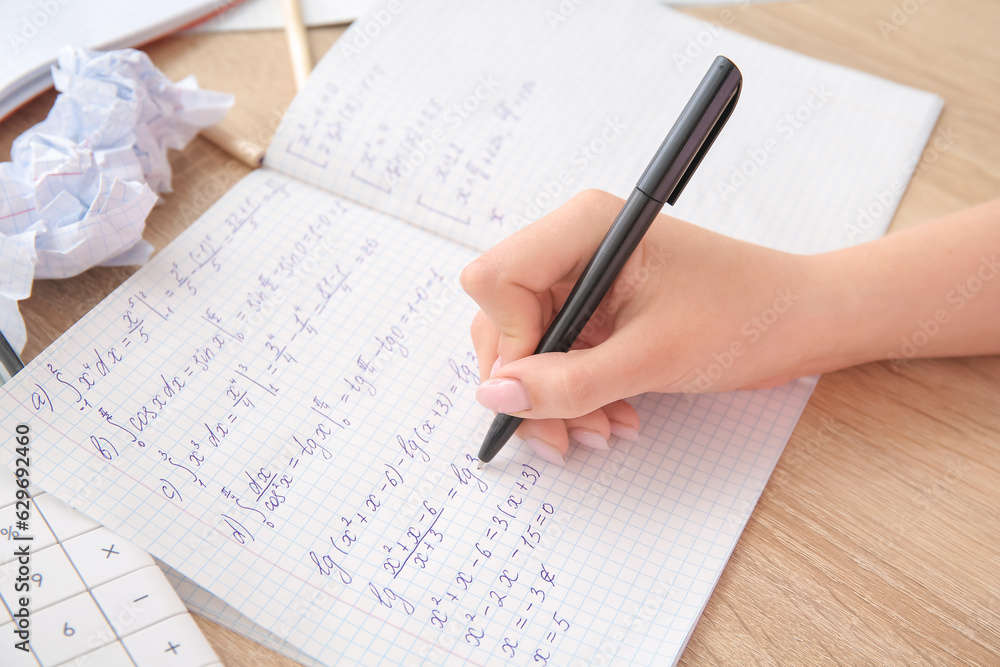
[851,315]
[832,326]
[796,327]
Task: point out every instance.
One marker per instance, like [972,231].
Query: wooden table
[877,540]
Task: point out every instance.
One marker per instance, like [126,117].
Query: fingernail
[591,439]
[505,395]
[546,451]
[496,366]
[624,432]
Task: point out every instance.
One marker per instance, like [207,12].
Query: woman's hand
[691,311]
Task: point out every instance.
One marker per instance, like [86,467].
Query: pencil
[243,150]
[298,44]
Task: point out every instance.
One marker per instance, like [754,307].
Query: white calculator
[95,599]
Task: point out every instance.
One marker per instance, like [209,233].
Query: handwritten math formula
[303,410]
[452,145]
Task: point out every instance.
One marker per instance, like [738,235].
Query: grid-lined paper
[540,106]
[280,404]
[304,453]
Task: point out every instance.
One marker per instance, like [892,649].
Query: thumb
[566,385]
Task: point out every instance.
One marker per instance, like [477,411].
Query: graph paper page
[542,104]
[280,406]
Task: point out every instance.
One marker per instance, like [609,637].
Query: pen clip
[709,138]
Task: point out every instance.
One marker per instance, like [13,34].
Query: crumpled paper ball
[81,183]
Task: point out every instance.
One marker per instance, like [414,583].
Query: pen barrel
[8,358]
[669,171]
[600,273]
[676,160]
[696,128]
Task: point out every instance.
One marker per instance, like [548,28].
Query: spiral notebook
[280,405]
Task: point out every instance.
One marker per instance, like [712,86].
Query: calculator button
[40,534]
[101,556]
[175,642]
[110,655]
[9,655]
[69,629]
[138,600]
[64,521]
[53,579]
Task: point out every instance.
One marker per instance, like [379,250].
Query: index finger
[506,281]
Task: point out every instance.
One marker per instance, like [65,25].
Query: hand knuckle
[598,201]
[478,275]
[578,388]
[590,196]
[480,325]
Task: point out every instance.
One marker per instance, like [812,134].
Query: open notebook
[280,405]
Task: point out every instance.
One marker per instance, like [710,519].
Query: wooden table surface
[877,540]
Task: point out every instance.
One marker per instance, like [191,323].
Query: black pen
[8,359]
[671,168]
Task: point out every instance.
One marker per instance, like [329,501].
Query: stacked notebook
[37,29]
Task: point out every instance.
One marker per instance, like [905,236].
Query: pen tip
[482,464]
